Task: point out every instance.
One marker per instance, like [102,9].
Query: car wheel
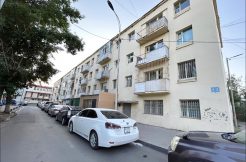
[70,127]
[63,121]
[93,140]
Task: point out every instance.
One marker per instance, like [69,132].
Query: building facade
[171,71]
[34,94]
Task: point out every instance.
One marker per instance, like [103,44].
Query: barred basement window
[187,69]
[190,109]
[153,107]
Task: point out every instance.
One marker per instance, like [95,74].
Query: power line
[122,6]
[225,41]
[226,26]
[90,32]
[133,6]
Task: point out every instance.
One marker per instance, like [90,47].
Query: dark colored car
[208,147]
[55,109]
[66,113]
[44,104]
[48,106]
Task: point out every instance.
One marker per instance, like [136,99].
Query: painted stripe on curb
[154,147]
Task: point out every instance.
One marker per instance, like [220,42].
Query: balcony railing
[103,58]
[102,75]
[153,30]
[152,87]
[84,81]
[82,94]
[96,92]
[73,77]
[86,69]
[153,56]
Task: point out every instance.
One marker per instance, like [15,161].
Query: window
[116,63]
[92,61]
[154,75]
[114,115]
[154,46]
[104,86]
[90,75]
[130,57]
[89,89]
[114,84]
[187,69]
[181,5]
[129,81]
[184,36]
[190,109]
[131,36]
[83,113]
[153,107]
[92,114]
[95,87]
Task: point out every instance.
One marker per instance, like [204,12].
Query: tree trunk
[8,103]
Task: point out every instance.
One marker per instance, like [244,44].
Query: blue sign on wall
[215,89]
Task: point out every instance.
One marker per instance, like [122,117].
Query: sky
[101,21]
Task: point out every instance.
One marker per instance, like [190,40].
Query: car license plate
[127,130]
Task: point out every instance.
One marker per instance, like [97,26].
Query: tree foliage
[239,96]
[30,31]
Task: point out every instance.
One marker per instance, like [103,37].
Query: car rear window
[114,115]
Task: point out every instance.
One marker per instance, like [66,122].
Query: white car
[104,127]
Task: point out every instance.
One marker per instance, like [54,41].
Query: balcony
[153,57]
[153,30]
[73,77]
[84,81]
[96,92]
[82,94]
[102,75]
[86,69]
[104,58]
[160,86]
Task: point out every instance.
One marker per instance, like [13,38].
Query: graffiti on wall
[213,114]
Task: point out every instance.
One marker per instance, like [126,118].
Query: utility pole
[231,91]
[118,65]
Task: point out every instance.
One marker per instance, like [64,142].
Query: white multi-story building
[34,94]
[171,71]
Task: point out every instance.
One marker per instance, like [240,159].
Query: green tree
[239,96]
[30,32]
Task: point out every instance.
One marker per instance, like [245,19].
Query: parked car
[44,104]
[104,127]
[66,113]
[54,109]
[208,147]
[48,106]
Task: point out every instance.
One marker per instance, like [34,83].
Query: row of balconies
[150,32]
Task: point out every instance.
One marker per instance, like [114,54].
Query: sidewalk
[157,138]
[6,117]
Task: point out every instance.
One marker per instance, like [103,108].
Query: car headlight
[174,143]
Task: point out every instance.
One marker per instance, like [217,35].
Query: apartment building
[34,94]
[171,71]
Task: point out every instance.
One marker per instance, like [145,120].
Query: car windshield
[113,115]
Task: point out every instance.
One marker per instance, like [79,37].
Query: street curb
[154,147]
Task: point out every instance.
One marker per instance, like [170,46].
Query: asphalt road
[33,136]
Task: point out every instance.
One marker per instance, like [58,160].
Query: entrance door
[94,103]
[127,109]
